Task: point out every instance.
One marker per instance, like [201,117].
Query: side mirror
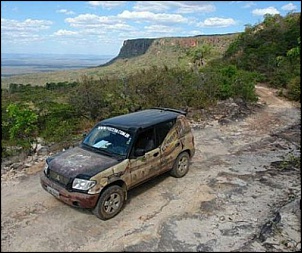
[139,152]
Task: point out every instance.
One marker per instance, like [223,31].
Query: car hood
[75,161]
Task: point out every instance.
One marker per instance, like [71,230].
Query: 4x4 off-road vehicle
[118,154]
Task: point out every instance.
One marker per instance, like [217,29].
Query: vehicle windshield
[109,139]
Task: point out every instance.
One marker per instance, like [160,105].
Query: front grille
[58,178]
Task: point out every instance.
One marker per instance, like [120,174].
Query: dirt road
[237,196]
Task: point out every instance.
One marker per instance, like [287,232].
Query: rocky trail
[242,193]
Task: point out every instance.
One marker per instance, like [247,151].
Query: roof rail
[170,110]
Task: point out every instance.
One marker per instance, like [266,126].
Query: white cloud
[121,26]
[195,7]
[62,32]
[64,11]
[29,25]
[269,10]
[289,7]
[27,31]
[148,16]
[248,5]
[91,24]
[106,4]
[176,6]
[217,22]
[89,20]
[153,6]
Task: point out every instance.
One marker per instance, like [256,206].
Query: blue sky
[101,27]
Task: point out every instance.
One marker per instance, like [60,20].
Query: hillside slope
[134,55]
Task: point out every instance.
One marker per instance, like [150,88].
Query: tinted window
[145,140]
[163,129]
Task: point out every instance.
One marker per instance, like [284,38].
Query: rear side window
[146,140]
[163,129]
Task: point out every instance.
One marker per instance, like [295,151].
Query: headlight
[82,184]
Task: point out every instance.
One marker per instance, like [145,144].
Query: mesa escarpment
[136,47]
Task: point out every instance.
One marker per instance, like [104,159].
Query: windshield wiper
[104,151]
[99,150]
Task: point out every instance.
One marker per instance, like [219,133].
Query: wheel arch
[190,153]
[118,182]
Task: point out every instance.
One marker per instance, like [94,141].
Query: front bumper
[75,199]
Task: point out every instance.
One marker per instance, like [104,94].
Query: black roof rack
[170,110]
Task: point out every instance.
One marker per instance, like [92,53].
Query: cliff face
[137,47]
[134,47]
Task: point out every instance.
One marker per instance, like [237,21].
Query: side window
[163,129]
[146,140]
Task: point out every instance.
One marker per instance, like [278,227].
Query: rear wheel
[181,165]
[110,203]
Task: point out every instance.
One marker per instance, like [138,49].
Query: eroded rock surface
[242,193]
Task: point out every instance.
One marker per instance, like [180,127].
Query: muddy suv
[118,154]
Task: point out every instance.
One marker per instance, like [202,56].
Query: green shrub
[22,123]
[294,89]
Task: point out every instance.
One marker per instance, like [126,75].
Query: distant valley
[17,64]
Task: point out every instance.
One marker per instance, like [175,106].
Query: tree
[87,99]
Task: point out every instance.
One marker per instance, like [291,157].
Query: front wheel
[110,203]
[181,165]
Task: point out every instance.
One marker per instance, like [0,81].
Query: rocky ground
[242,193]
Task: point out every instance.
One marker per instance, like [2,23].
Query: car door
[171,145]
[145,158]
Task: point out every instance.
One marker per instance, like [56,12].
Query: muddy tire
[110,203]
[181,165]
